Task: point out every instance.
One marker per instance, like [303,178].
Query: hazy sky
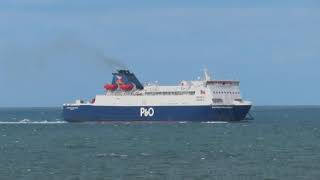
[52,51]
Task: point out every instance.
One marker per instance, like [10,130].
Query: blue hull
[88,113]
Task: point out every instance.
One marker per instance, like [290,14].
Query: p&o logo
[146,112]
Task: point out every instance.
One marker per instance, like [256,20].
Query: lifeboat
[126,87]
[111,87]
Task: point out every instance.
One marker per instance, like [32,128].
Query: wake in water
[214,122]
[208,122]
[58,121]
[27,121]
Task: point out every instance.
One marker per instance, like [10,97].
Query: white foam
[144,154]
[215,122]
[183,122]
[25,121]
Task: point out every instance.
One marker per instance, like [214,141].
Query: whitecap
[113,154]
[145,154]
[101,155]
[214,122]
[25,120]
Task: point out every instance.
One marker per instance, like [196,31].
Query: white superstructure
[205,91]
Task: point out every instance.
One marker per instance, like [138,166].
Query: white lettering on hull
[146,112]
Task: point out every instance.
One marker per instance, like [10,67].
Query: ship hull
[93,113]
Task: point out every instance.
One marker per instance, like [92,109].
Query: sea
[281,143]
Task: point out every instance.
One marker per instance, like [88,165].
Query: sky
[56,51]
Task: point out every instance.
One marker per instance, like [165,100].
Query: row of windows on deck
[217,100]
[171,93]
[225,92]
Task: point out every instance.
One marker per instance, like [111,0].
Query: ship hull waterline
[207,113]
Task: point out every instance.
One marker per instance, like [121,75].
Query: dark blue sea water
[281,143]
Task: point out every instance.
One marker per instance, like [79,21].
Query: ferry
[126,99]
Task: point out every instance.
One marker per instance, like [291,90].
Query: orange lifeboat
[111,87]
[126,87]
